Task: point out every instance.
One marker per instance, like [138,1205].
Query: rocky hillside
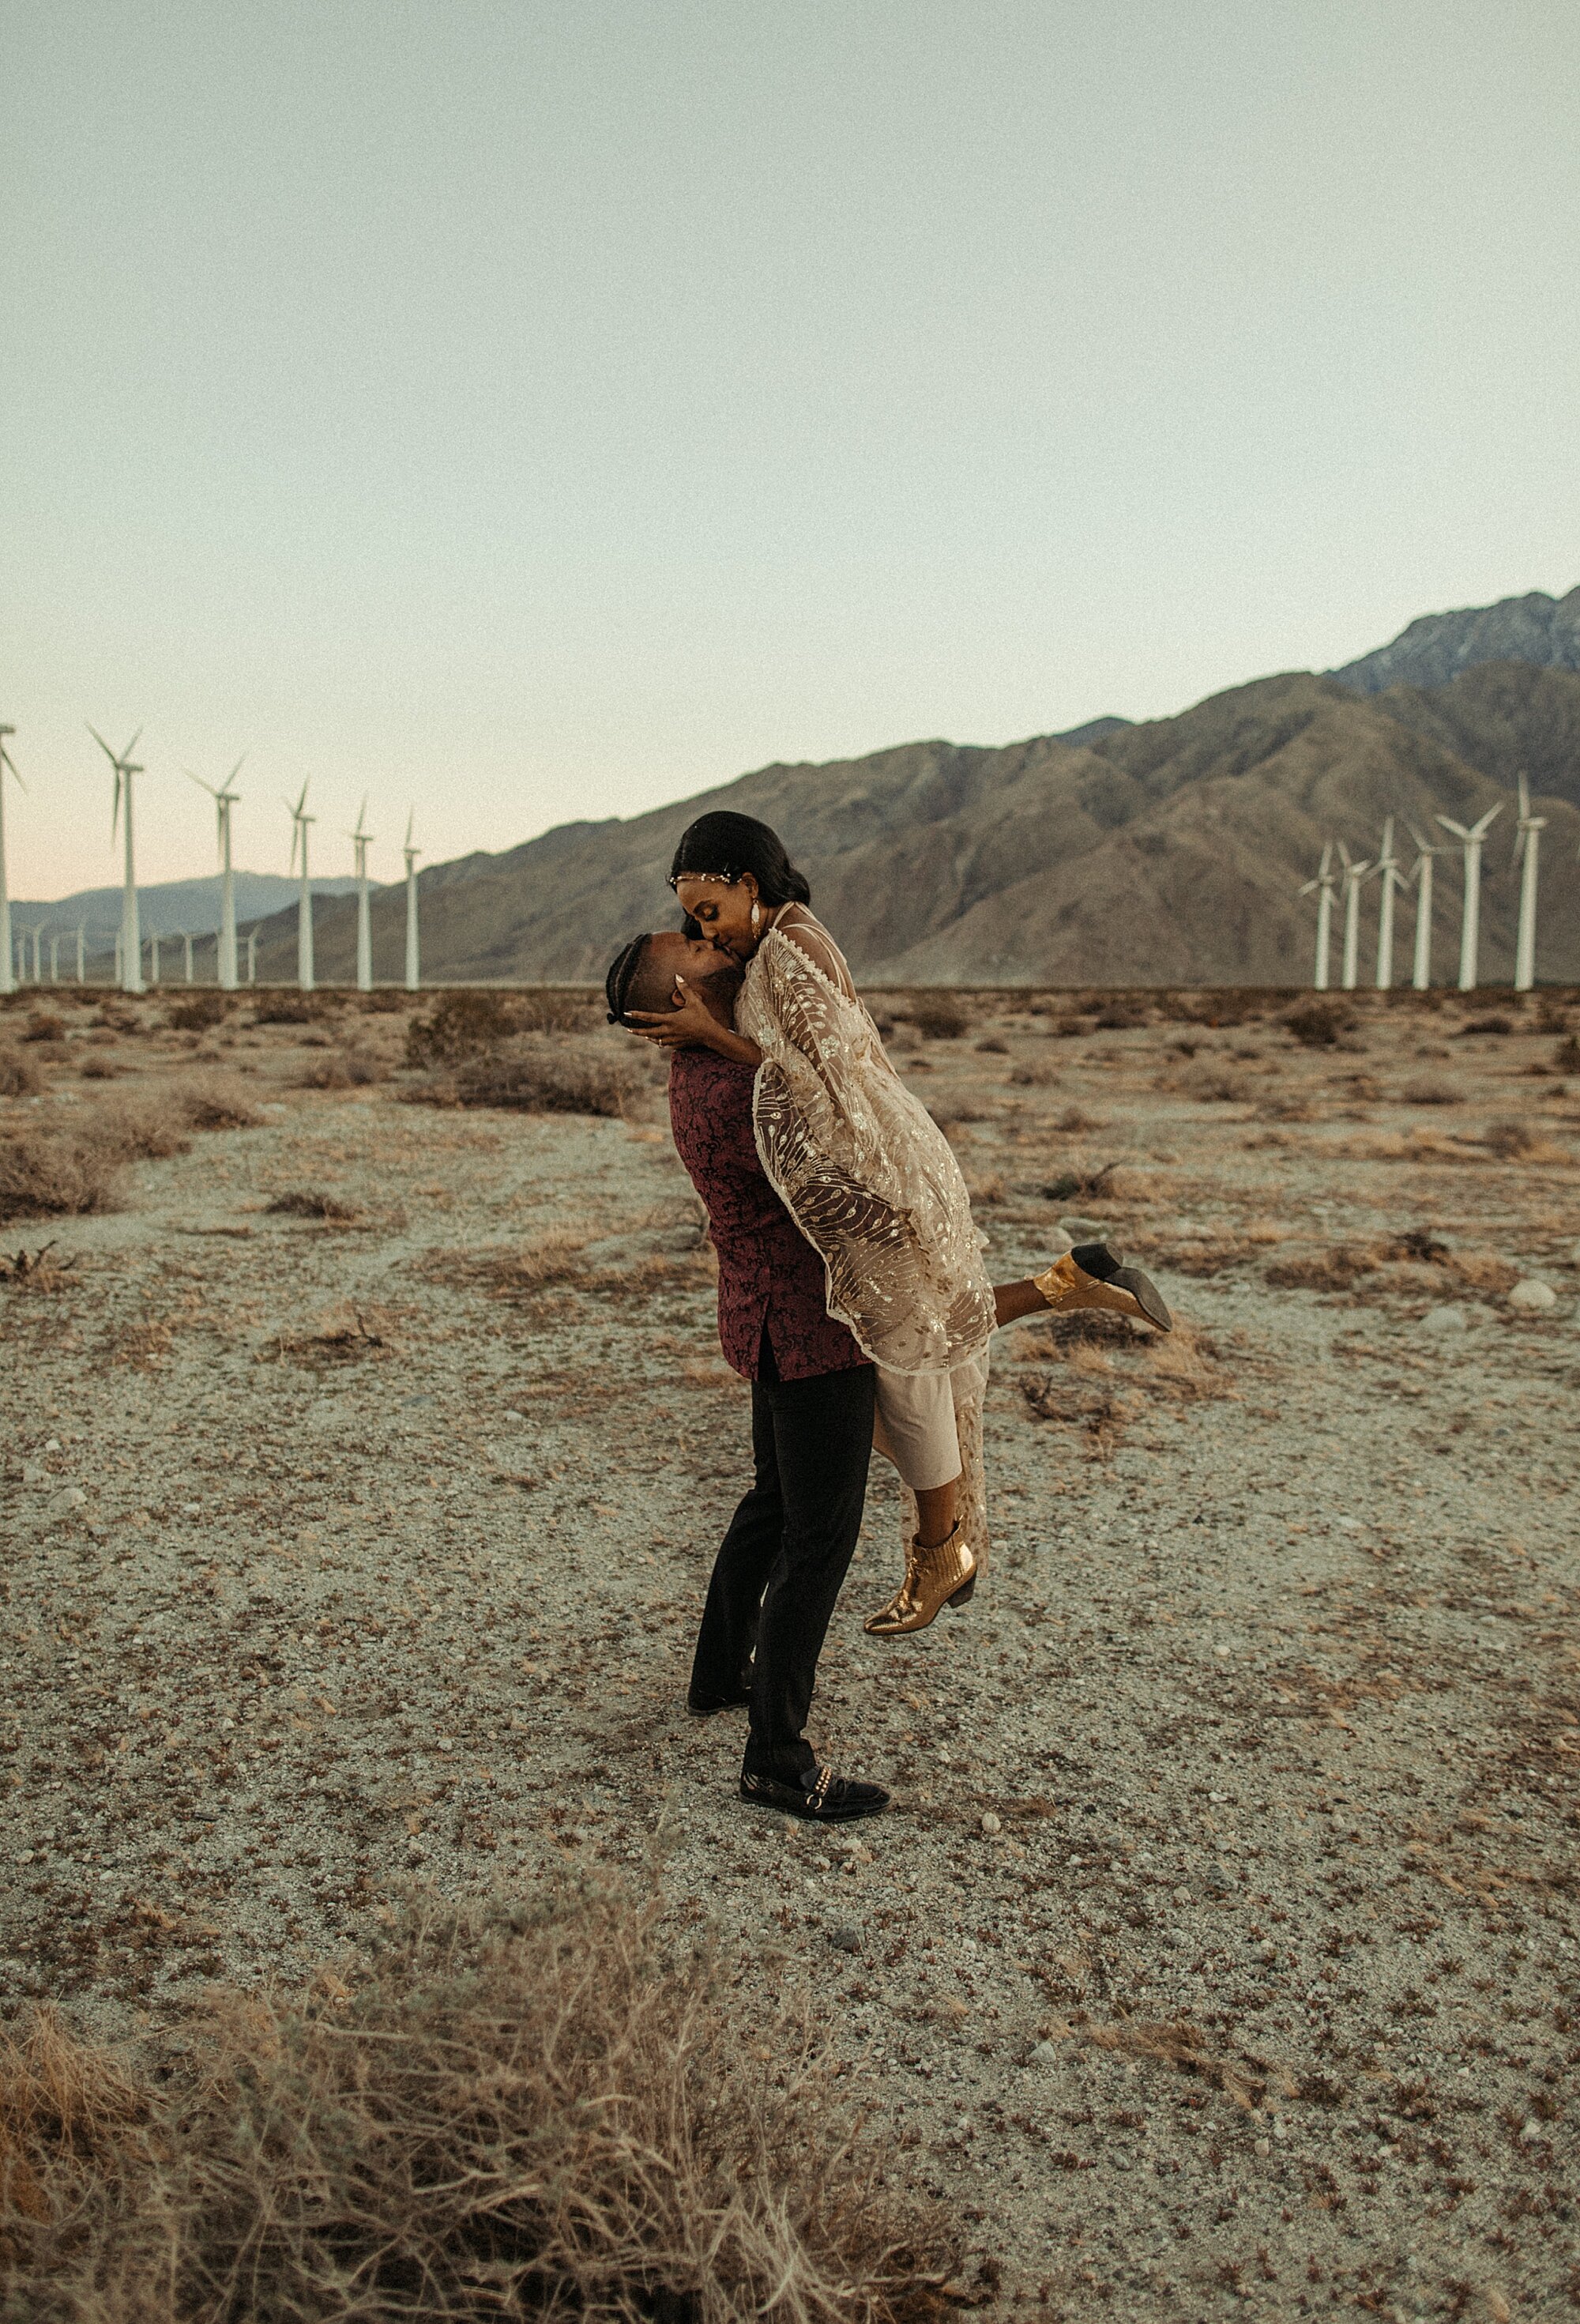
[1542,631]
[1166,852]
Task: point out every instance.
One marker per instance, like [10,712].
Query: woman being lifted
[872,1183]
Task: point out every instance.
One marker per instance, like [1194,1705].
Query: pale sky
[529,411]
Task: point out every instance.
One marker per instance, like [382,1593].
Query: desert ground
[366,1442]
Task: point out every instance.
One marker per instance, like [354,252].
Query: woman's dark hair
[623,970]
[726,845]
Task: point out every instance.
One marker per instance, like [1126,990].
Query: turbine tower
[362,840]
[413,961]
[1354,874]
[225,799]
[81,952]
[251,956]
[1526,835]
[1387,868]
[1421,877]
[1470,838]
[7,766]
[1322,888]
[131,931]
[299,822]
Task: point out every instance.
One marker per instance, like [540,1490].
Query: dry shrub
[19,1076]
[47,1174]
[941,1019]
[201,1013]
[1566,1054]
[1213,1256]
[1521,1141]
[1499,1025]
[1081,1178]
[311,1203]
[551,1010]
[1338,1269]
[545,1073]
[1210,1080]
[290,1008]
[101,1069]
[348,1068]
[1430,1090]
[217,1103]
[1320,1024]
[43,1025]
[992,1046]
[1032,1076]
[458,1026]
[523,2111]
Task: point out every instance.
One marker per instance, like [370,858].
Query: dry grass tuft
[347,1069]
[101,1069]
[311,1203]
[518,1272]
[44,1025]
[1431,1090]
[217,1103]
[342,1333]
[1184,2049]
[37,1270]
[201,1013]
[1338,1269]
[19,1076]
[524,2111]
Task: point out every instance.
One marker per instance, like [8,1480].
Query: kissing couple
[852,1293]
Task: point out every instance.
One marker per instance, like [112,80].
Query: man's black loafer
[703,1706]
[831,1799]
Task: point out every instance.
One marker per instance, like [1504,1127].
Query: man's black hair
[622,974]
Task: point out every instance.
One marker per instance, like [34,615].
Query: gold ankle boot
[1066,1286]
[943,1576]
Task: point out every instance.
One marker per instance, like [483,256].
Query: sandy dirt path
[1220,1954]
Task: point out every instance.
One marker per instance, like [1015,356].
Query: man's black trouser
[780,1567]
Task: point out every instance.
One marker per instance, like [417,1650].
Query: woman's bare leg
[936,1513]
[1011,1301]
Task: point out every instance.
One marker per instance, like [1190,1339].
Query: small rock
[1449,1317]
[1044,2053]
[33,1472]
[1181,1896]
[70,1497]
[1084,1229]
[990,1824]
[1219,1880]
[1533,1298]
[443,1743]
[845,1939]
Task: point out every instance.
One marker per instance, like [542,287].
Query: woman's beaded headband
[730,879]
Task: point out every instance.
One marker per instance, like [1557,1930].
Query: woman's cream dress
[869,1179]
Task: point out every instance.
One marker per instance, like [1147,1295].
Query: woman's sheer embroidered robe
[870,1180]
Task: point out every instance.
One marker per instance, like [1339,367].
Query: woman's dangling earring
[755,918]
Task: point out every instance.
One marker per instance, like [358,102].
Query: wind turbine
[81,952]
[153,956]
[131,932]
[1354,874]
[1421,874]
[1470,838]
[1322,888]
[185,936]
[225,799]
[1527,836]
[300,821]
[362,840]
[251,956]
[413,962]
[7,766]
[1387,868]
[55,959]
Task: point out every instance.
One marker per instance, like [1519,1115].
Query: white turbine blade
[235,770]
[202,786]
[1416,836]
[99,738]
[7,761]
[1524,795]
[1479,830]
[1458,829]
[1343,855]
[410,819]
